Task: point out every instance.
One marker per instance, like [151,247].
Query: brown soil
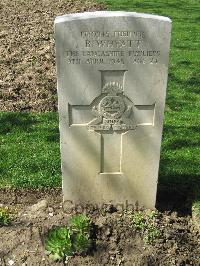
[117,241]
[28,78]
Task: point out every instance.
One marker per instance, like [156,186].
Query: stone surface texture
[112,78]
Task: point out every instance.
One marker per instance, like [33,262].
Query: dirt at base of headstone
[117,241]
[28,72]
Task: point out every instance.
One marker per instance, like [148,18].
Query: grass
[29,150]
[29,154]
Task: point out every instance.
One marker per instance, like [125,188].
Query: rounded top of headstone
[96,14]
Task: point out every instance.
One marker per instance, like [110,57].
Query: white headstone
[112,77]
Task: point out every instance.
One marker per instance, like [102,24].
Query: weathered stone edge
[96,14]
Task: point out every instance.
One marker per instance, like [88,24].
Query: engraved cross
[111,114]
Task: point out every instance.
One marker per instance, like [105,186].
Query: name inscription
[118,47]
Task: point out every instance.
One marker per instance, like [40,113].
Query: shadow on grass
[192,81]
[16,121]
[184,63]
[54,135]
[186,94]
[164,6]
[178,193]
[24,122]
[185,47]
[179,173]
[182,143]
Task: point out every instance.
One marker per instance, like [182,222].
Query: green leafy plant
[80,227]
[5,217]
[58,243]
[65,241]
[79,223]
[145,222]
[150,234]
[139,221]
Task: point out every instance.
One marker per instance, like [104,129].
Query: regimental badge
[112,111]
